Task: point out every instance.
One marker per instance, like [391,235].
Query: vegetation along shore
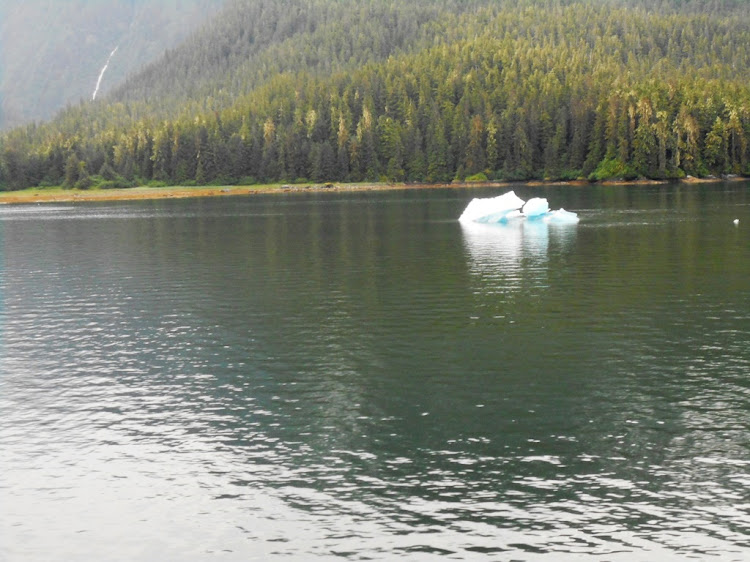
[312,91]
[59,194]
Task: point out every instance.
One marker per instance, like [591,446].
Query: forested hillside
[51,52]
[321,90]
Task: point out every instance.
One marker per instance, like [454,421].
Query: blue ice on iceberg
[535,208]
[509,206]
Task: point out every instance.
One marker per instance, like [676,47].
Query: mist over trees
[51,52]
[427,91]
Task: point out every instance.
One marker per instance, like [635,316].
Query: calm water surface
[357,376]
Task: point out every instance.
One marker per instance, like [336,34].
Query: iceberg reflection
[514,254]
[502,245]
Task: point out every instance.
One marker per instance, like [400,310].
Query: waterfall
[101,74]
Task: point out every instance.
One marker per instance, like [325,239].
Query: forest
[424,91]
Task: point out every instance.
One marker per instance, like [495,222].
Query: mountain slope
[420,91]
[253,41]
[51,53]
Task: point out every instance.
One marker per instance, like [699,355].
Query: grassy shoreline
[59,195]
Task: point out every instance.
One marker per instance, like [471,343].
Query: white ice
[491,209]
[561,216]
[535,207]
[509,206]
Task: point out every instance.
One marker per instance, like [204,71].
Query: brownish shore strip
[58,195]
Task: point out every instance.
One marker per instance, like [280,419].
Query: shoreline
[59,195]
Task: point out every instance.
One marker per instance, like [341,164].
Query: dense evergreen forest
[426,91]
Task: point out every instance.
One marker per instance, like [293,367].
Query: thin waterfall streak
[101,74]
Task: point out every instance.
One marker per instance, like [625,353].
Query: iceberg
[491,209]
[561,216]
[509,206]
[535,207]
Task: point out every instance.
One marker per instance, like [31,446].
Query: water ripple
[173,386]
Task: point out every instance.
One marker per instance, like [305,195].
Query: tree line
[509,90]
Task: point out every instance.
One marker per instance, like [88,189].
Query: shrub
[568,175]
[613,168]
[117,182]
[480,177]
[85,182]
[677,174]
[222,180]
[514,175]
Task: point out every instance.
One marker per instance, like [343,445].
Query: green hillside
[321,90]
[52,52]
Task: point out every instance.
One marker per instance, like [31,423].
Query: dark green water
[357,376]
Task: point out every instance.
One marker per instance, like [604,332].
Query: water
[357,376]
